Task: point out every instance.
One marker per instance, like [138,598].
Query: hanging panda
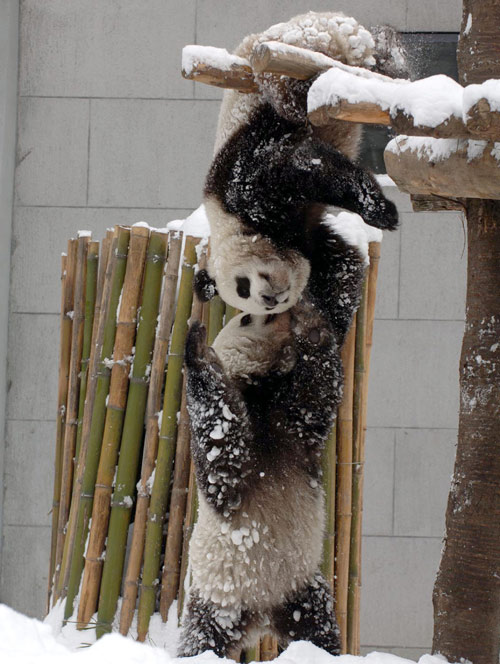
[274,175]
[261,404]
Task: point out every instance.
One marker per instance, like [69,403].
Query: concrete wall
[9,29]
[110,133]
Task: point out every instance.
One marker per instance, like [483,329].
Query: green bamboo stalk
[92,427]
[67,285]
[344,486]
[90,299]
[329,477]
[253,654]
[180,487]
[166,446]
[357,474]
[153,408]
[72,406]
[115,412]
[231,312]
[133,429]
[189,522]
[215,320]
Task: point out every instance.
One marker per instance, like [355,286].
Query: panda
[262,402]
[274,175]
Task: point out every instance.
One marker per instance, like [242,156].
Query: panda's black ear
[204,286]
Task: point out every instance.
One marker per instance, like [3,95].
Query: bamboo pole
[67,286]
[115,409]
[167,310]
[374,254]
[132,436]
[253,654]
[177,511]
[357,474]
[90,301]
[166,446]
[231,312]
[189,521]
[329,481]
[72,403]
[344,484]
[93,423]
[268,648]
[216,317]
[182,466]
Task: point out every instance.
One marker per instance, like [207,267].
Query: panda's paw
[308,325]
[197,353]
[380,212]
[204,286]
[195,344]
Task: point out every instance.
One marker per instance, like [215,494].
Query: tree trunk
[467,590]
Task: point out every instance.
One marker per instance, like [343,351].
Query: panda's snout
[271,300]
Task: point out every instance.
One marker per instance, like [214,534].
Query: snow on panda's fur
[265,195]
[274,174]
[261,404]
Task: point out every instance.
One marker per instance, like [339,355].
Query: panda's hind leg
[308,615]
[207,626]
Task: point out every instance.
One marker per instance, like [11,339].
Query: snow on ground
[26,640]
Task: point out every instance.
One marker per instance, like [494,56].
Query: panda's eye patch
[243,287]
[246,320]
[270,318]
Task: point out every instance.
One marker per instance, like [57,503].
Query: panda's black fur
[262,466]
[270,184]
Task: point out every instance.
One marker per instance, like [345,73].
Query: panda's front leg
[222,440]
[308,615]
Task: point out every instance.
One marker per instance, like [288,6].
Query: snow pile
[196,225]
[218,58]
[430,101]
[333,34]
[489,90]
[25,640]
[439,149]
[430,149]
[354,231]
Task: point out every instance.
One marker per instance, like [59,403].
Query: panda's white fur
[263,552]
[252,256]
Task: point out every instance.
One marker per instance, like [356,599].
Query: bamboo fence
[121,527]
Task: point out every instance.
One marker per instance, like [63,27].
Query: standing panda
[274,174]
[261,403]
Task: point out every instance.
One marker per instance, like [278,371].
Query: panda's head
[252,345]
[247,270]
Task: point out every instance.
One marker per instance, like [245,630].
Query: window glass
[429,53]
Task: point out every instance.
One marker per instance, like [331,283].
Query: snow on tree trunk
[467,589]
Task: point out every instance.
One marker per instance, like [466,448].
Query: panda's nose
[270,300]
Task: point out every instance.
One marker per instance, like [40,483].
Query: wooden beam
[301,63]
[452,127]
[364,111]
[215,66]
[238,78]
[429,203]
[447,168]
[482,122]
